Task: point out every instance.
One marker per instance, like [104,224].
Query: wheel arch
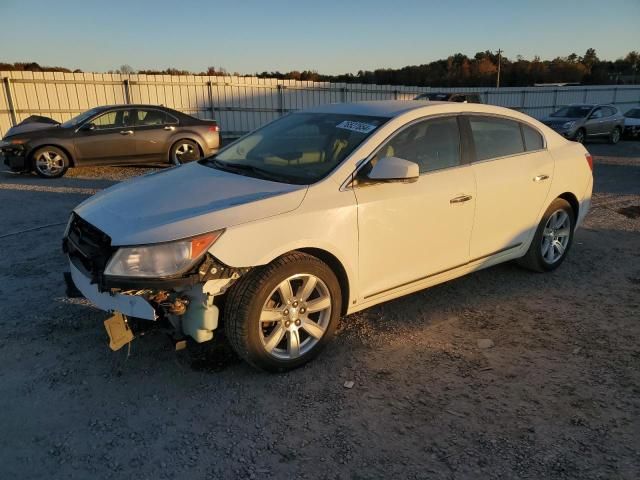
[33,150]
[573,201]
[336,266]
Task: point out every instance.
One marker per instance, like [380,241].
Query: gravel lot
[556,396]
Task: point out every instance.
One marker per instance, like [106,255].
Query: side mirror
[394,169]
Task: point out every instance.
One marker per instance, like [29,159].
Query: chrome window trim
[505,117]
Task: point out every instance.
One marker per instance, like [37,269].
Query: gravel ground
[500,374]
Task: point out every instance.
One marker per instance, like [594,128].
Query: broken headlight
[162,259]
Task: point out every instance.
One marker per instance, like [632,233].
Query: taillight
[214,128]
[589,160]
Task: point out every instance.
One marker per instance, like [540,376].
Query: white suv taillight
[589,160]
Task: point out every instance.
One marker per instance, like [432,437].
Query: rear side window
[532,139]
[495,137]
[432,144]
[149,118]
[608,111]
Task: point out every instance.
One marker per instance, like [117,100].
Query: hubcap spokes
[49,163]
[295,316]
[185,152]
[555,236]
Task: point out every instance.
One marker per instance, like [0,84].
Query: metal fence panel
[241,104]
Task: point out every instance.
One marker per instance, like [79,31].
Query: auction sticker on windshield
[359,127]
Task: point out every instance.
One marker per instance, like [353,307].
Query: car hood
[631,121]
[30,125]
[559,120]
[185,201]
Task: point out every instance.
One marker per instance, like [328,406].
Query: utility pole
[499,62]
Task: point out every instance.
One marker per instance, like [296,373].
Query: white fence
[241,104]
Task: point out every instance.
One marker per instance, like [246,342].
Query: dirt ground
[557,396]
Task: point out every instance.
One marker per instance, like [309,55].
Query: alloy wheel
[49,163]
[556,235]
[295,316]
[185,152]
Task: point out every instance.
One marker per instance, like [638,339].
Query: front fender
[333,229]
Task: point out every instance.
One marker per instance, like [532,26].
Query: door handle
[540,178]
[170,128]
[126,132]
[461,199]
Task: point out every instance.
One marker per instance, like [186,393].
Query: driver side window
[112,119]
[432,144]
[597,113]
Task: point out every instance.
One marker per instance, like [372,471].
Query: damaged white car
[323,213]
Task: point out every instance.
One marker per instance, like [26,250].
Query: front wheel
[580,136]
[552,239]
[280,316]
[50,162]
[184,151]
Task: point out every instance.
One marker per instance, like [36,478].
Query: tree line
[457,70]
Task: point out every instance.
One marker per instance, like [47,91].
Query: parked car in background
[323,213]
[108,135]
[450,97]
[632,123]
[580,122]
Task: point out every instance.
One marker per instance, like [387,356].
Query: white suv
[323,213]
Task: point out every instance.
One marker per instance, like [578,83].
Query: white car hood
[185,201]
[631,121]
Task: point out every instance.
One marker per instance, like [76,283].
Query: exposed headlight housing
[162,259]
[568,125]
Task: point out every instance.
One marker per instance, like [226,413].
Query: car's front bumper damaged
[185,303]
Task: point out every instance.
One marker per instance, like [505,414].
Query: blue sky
[328,36]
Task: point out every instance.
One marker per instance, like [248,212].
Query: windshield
[633,113]
[573,112]
[81,118]
[299,148]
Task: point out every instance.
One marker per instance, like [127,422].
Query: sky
[327,36]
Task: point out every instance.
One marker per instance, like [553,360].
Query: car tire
[277,332]
[580,136]
[614,136]
[50,162]
[184,151]
[557,225]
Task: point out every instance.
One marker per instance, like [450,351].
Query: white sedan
[323,213]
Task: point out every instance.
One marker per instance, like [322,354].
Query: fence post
[343,94]
[12,108]
[127,94]
[584,97]
[522,102]
[210,92]
[555,100]
[280,99]
[615,94]
[395,94]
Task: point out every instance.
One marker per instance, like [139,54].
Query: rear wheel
[184,151]
[50,162]
[614,136]
[552,239]
[280,316]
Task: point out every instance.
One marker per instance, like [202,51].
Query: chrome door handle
[126,132]
[540,178]
[461,199]
[170,128]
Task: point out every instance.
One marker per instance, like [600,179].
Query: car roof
[377,108]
